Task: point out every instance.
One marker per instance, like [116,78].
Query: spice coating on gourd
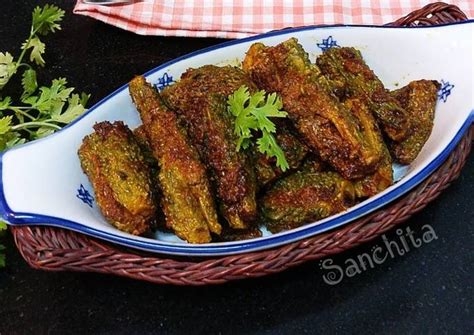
[207,146]
[323,123]
[200,98]
[419,99]
[116,167]
[295,151]
[382,178]
[303,197]
[347,67]
[187,200]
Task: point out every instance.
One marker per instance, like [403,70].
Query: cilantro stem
[33,32]
[25,114]
[25,65]
[23,51]
[26,108]
[44,105]
[35,124]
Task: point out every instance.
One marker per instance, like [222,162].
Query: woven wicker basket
[56,249]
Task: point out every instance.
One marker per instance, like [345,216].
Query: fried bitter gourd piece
[295,151]
[200,98]
[112,159]
[229,234]
[419,100]
[313,163]
[303,197]
[383,176]
[187,201]
[142,139]
[378,181]
[346,65]
[325,125]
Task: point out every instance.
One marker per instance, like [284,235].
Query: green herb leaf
[74,109]
[43,132]
[5,124]
[267,144]
[252,113]
[244,121]
[39,114]
[7,68]
[37,50]
[236,101]
[28,81]
[84,98]
[46,19]
[50,98]
[43,110]
[5,103]
[11,139]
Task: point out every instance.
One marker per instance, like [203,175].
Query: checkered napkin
[240,18]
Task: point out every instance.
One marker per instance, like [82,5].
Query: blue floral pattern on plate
[165,80]
[84,195]
[328,43]
[445,90]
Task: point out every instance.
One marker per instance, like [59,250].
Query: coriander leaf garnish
[7,68]
[46,19]
[37,50]
[252,113]
[5,124]
[40,110]
[5,103]
[74,109]
[268,145]
[28,81]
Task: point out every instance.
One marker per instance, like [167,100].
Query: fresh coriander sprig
[44,20]
[252,113]
[41,111]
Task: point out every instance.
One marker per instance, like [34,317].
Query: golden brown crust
[293,148]
[200,98]
[187,143]
[382,178]
[119,174]
[347,67]
[187,200]
[378,181]
[229,234]
[303,197]
[326,126]
[419,99]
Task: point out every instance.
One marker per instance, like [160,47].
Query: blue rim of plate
[227,248]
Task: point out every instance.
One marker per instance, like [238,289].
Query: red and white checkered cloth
[240,18]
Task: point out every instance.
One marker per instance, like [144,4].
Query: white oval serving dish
[42,182]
